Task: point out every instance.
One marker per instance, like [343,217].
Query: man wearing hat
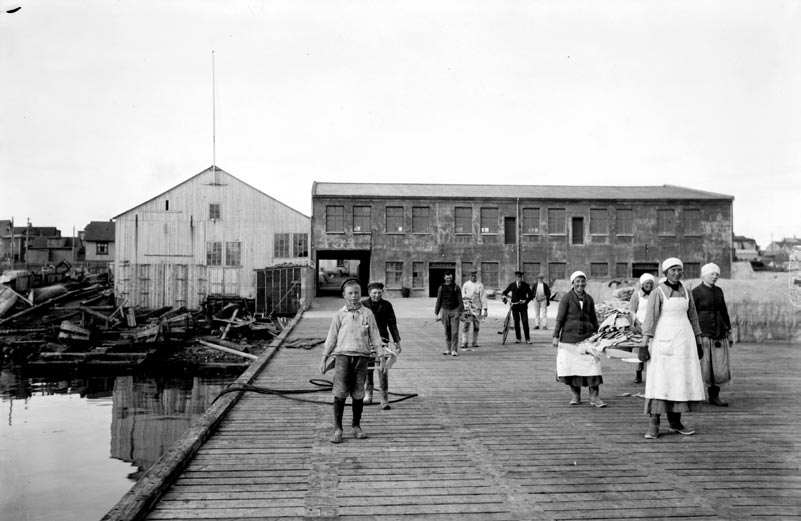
[542,297]
[519,292]
[475,304]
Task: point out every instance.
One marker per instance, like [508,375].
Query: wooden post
[227,350]
[228,326]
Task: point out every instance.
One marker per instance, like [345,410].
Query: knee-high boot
[714,396]
[595,399]
[576,399]
[653,428]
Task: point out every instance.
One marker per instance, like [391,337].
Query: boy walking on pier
[351,338]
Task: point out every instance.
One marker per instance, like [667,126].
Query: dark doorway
[578,231]
[510,230]
[335,266]
[638,268]
[436,275]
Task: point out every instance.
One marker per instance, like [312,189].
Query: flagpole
[213,122]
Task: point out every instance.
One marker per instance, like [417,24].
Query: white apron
[642,308]
[674,373]
[572,361]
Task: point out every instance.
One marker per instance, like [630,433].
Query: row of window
[489,220]
[299,243]
[219,253]
[490,272]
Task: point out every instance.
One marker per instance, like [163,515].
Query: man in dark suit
[520,294]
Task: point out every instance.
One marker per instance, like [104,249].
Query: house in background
[209,235]
[745,248]
[778,253]
[49,250]
[98,240]
[409,235]
[35,246]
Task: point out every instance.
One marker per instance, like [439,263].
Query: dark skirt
[655,406]
[581,381]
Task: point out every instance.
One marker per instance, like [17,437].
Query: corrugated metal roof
[100,231]
[438,191]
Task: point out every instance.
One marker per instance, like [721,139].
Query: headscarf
[710,268]
[645,277]
[669,263]
[576,274]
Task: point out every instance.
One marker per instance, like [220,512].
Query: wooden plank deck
[491,437]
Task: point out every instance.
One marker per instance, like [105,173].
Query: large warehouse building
[408,235]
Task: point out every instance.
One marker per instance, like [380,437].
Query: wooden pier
[490,436]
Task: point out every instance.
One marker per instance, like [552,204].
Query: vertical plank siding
[172,230]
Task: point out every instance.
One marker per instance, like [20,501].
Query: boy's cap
[375,285]
[351,282]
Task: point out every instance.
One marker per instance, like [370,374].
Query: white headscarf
[646,277]
[710,268]
[576,274]
[669,263]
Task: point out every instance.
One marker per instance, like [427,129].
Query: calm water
[70,449]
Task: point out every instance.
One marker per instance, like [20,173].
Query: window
[622,270]
[394,219]
[510,230]
[489,274]
[281,245]
[665,222]
[421,219]
[361,219]
[214,253]
[418,280]
[599,270]
[394,275]
[531,221]
[530,271]
[624,221]
[692,222]
[233,254]
[692,270]
[214,211]
[489,220]
[101,248]
[300,243]
[599,221]
[466,267]
[556,221]
[463,220]
[335,219]
[556,270]
[577,224]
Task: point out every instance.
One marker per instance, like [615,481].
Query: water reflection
[70,448]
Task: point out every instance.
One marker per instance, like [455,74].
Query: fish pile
[614,331]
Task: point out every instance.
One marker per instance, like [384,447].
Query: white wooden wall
[161,244]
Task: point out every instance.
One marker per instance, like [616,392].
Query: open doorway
[336,266]
[436,275]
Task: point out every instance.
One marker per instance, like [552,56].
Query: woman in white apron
[576,321]
[638,306]
[674,384]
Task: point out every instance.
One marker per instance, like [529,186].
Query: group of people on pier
[686,340]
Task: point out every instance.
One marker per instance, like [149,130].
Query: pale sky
[105,104]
